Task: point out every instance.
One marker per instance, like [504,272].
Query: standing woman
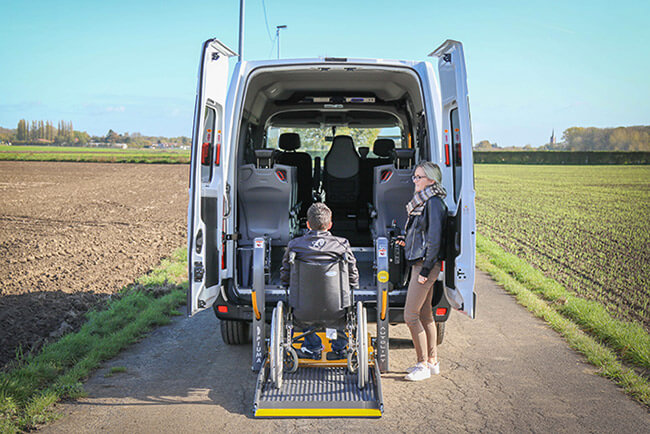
[427,213]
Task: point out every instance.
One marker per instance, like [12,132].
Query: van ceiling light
[333,106]
[360,99]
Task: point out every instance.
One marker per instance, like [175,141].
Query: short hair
[319,216]
[431,170]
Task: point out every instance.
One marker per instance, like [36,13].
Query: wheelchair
[319,296]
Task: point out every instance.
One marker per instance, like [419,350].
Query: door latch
[199,271]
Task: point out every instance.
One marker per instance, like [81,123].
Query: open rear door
[457,140]
[205,208]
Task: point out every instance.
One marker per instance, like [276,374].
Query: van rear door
[457,142]
[205,207]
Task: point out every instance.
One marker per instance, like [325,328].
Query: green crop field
[106,155]
[588,227]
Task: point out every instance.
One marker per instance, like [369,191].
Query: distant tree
[112,137]
[22,130]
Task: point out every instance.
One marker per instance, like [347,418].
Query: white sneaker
[435,369]
[420,372]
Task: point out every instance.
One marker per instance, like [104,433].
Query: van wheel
[235,332]
[440,332]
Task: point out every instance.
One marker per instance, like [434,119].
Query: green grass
[628,339]
[83,154]
[585,227]
[28,391]
[596,353]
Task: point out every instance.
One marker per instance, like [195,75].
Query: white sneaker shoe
[434,369]
[420,372]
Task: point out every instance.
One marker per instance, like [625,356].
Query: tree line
[636,138]
[40,132]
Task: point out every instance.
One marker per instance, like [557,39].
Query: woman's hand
[422,279]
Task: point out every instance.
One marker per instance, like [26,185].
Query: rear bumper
[240,308]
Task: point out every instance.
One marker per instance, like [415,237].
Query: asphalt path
[505,371]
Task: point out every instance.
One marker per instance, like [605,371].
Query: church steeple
[552,141]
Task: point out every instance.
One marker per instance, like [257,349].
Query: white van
[286,133]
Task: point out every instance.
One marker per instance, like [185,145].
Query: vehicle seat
[267,198]
[341,174]
[393,189]
[319,293]
[383,148]
[289,143]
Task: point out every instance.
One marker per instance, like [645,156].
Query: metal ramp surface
[319,392]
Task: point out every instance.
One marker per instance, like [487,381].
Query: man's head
[319,217]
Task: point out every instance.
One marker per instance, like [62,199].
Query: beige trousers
[418,313]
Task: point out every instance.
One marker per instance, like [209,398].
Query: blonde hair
[431,170]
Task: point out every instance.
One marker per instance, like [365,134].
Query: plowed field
[73,234]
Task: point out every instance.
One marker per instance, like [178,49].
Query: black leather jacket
[320,246]
[424,235]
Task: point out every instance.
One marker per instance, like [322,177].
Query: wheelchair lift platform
[318,388]
[319,392]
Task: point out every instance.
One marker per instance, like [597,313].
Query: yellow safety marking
[317,412]
[384,304]
[255,309]
[382,276]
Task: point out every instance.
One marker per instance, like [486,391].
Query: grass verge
[28,391]
[630,340]
[99,155]
[596,353]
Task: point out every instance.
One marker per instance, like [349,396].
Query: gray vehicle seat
[341,174]
[267,197]
[319,293]
[393,189]
[289,142]
[383,148]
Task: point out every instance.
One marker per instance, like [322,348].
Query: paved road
[503,372]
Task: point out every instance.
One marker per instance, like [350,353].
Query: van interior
[347,135]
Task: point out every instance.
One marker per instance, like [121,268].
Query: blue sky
[132,65]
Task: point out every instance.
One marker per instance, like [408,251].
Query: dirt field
[72,234]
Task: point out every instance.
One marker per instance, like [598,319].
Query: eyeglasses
[415,178]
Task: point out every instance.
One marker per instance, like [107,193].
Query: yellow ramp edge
[317,412]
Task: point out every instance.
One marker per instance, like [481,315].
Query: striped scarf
[416,205]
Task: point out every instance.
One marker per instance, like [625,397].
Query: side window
[456,148]
[207,144]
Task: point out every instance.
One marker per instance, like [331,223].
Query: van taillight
[205,154]
[222,309]
[217,159]
[442,266]
[447,154]
[459,160]
[440,311]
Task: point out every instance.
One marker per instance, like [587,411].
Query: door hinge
[232,237]
[215,56]
[201,304]
[446,57]
[199,271]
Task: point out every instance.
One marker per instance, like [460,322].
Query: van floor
[356,230]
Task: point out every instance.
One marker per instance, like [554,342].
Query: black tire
[440,332]
[235,332]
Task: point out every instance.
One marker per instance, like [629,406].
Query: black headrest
[264,158]
[363,151]
[403,158]
[289,141]
[382,147]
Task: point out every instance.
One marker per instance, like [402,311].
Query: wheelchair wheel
[276,353]
[362,346]
[290,360]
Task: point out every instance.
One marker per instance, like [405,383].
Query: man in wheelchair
[319,247]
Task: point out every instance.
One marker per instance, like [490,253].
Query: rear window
[317,141]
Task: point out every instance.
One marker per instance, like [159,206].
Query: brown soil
[73,234]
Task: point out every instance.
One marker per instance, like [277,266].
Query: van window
[207,144]
[317,141]
[455,145]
